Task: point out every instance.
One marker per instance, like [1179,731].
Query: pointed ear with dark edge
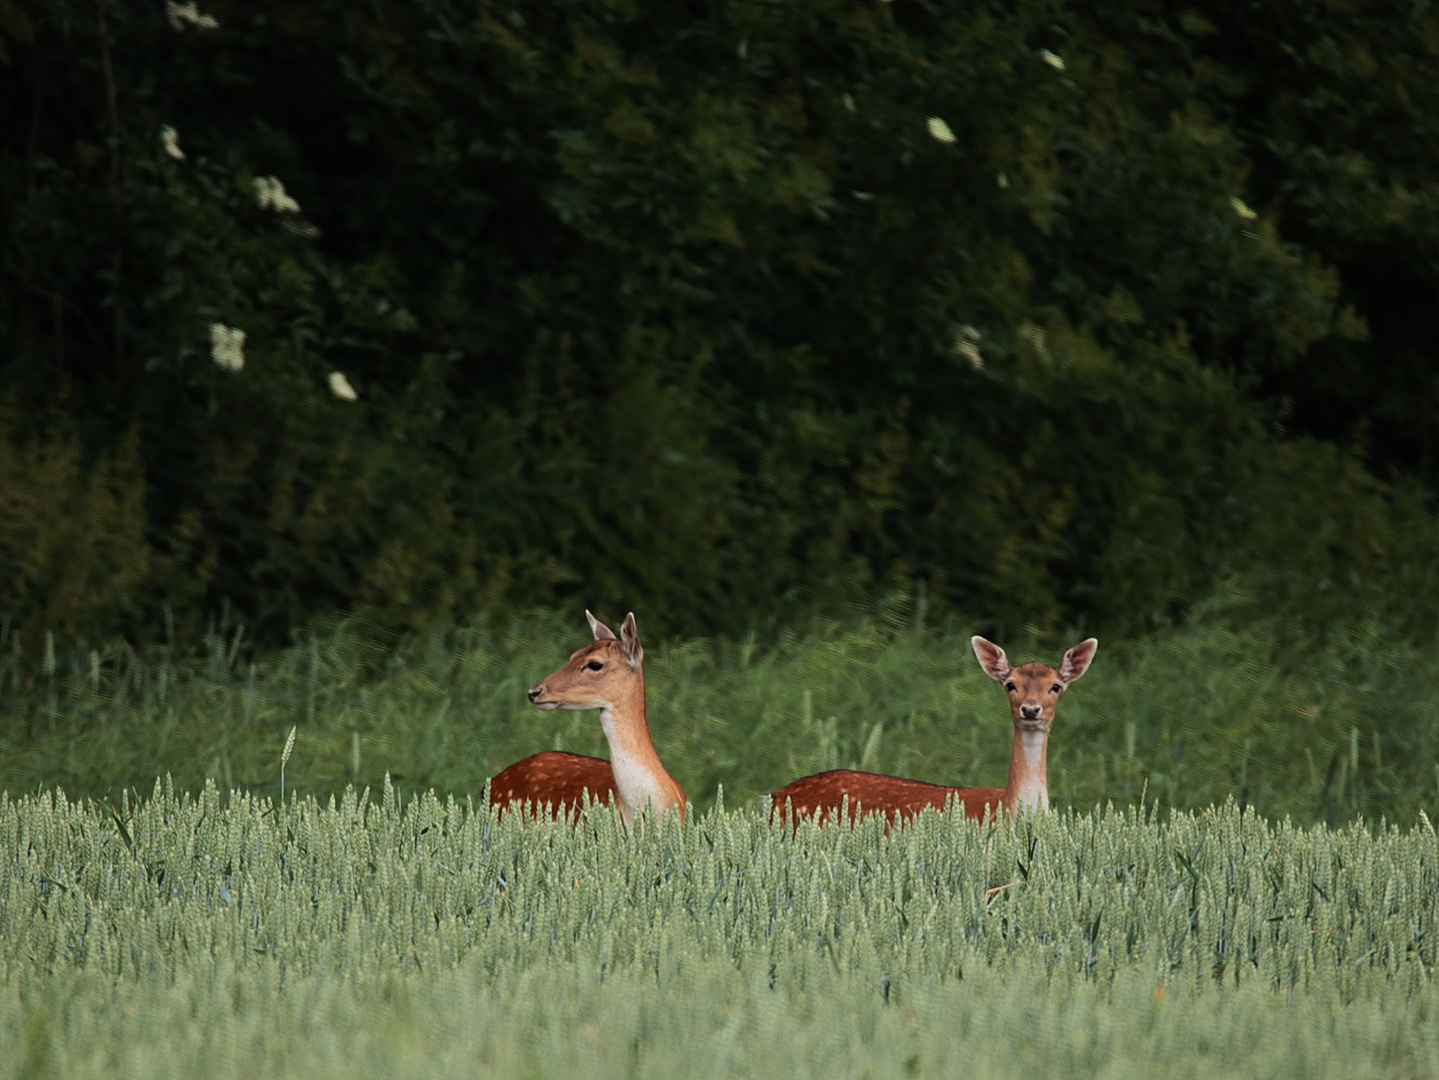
[630,641]
[991,657]
[1076,660]
[599,629]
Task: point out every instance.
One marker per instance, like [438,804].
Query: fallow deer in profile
[607,675]
[1033,689]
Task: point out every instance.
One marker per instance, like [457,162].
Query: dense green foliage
[1320,731]
[692,308]
[174,936]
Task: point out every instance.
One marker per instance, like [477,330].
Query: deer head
[600,674]
[1033,688]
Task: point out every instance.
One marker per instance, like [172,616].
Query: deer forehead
[602,649]
[1034,678]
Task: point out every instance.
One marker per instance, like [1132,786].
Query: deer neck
[639,776]
[1028,786]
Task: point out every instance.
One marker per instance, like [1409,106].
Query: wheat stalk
[285,757]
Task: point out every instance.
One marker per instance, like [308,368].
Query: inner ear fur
[630,641]
[599,629]
[991,658]
[1077,660]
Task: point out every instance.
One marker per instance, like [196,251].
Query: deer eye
[1056,688]
[594,665]
[1010,687]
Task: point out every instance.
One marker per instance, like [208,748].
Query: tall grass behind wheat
[1321,731]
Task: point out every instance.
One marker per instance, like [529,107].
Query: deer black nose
[536,691]
[1029,712]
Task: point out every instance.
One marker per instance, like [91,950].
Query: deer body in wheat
[1033,689]
[607,674]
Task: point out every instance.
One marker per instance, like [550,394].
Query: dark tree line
[1047,312]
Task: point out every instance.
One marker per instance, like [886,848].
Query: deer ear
[630,642]
[991,657]
[600,630]
[1076,660]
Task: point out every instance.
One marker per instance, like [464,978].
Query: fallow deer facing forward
[1033,689]
[607,675]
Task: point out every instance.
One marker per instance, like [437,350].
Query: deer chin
[547,706]
[1031,726]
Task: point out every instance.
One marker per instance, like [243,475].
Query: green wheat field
[1242,878]
[208,936]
